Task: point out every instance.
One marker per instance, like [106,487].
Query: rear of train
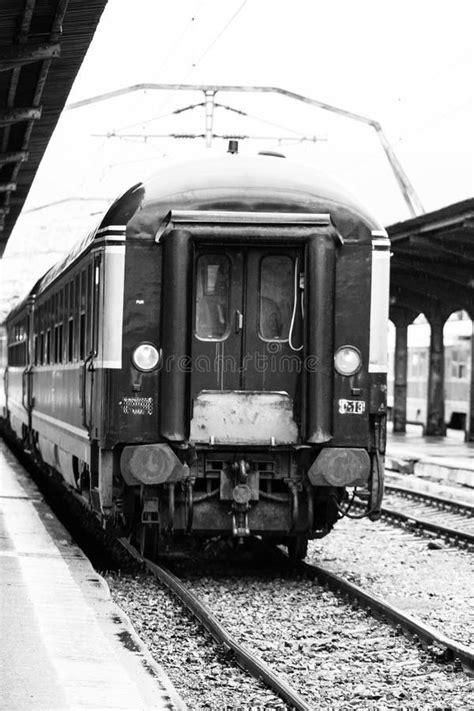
[249,390]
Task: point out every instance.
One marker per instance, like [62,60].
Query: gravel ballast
[430,580]
[335,656]
[201,671]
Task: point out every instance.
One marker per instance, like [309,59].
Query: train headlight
[145,357]
[347,360]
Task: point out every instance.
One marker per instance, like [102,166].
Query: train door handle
[239,321]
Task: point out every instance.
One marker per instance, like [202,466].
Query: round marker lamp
[347,360]
[145,357]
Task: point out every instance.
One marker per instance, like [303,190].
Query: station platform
[446,459]
[65,644]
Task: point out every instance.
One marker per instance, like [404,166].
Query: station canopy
[433,260]
[42,46]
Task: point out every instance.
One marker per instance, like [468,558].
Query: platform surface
[449,458]
[65,644]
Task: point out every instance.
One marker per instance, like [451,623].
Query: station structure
[42,45]
[432,272]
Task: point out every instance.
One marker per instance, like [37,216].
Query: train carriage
[211,360]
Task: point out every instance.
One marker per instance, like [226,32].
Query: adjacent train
[457,371]
[211,359]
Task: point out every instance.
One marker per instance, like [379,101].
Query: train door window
[35,349]
[276,297]
[212,297]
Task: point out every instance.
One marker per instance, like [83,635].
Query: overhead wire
[180,38]
[216,39]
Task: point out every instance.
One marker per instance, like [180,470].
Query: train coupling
[150,511]
[241,495]
[240,524]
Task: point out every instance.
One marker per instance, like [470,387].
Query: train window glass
[48,346]
[76,293]
[418,365]
[458,365]
[35,349]
[82,337]
[276,297]
[61,305]
[212,296]
[60,343]
[89,309]
[56,345]
[96,302]
[83,290]
[41,348]
[71,298]
[70,340]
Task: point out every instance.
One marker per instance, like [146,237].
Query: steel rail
[396,617]
[425,525]
[248,661]
[439,501]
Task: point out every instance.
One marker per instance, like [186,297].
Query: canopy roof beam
[15,115]
[18,55]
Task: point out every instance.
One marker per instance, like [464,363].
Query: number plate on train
[353,407]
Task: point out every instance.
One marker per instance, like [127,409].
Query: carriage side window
[417,366]
[82,315]
[58,343]
[212,296]
[41,349]
[458,364]
[82,337]
[96,305]
[48,346]
[89,314]
[70,340]
[276,297]
[77,308]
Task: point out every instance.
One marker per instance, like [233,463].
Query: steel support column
[435,420]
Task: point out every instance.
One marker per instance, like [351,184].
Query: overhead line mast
[410,196]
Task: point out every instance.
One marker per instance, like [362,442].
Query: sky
[407,64]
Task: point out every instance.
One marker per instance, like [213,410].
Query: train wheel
[297,547]
[148,540]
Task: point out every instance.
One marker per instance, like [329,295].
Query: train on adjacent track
[211,359]
[457,371]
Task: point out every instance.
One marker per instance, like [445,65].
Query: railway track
[448,519]
[246,659]
[443,648]
[409,624]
